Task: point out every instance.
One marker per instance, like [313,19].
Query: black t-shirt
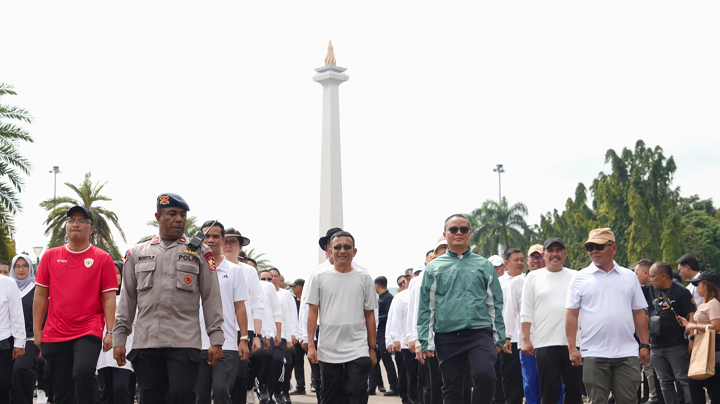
[667,303]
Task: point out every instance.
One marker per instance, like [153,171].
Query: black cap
[242,254]
[709,276]
[324,240]
[298,282]
[552,240]
[171,201]
[399,277]
[85,211]
[231,232]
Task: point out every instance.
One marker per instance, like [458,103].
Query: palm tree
[88,193]
[12,164]
[497,224]
[191,227]
[262,263]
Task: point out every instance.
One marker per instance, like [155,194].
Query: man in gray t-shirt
[345,299]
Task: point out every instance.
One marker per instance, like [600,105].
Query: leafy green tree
[499,224]
[12,165]
[88,194]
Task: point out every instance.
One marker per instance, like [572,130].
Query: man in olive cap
[165,277]
[610,305]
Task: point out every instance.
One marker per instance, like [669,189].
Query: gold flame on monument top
[330,58]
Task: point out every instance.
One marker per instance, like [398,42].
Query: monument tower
[331,204]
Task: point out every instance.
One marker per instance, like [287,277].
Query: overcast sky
[215,101]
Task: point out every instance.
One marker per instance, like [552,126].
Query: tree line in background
[636,200]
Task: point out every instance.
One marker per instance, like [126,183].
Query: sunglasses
[592,246]
[401,283]
[346,247]
[463,230]
[266,279]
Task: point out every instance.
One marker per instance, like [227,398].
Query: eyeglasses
[592,246]
[71,221]
[346,247]
[537,258]
[232,241]
[21,266]
[463,230]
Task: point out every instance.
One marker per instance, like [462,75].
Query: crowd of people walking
[192,320]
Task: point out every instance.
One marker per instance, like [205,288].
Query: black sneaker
[391,393]
[371,392]
[313,389]
[297,392]
[381,389]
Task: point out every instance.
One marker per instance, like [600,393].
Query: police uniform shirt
[232,289]
[165,282]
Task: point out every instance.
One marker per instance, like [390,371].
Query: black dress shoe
[297,392]
[390,393]
[371,392]
[313,389]
[381,389]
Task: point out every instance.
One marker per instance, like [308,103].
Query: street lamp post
[37,251]
[56,171]
[499,169]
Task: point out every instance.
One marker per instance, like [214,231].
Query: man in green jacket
[460,315]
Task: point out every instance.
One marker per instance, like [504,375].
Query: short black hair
[262,271]
[510,252]
[455,215]
[382,281]
[428,253]
[209,223]
[689,260]
[342,233]
[275,269]
[4,263]
[250,259]
[645,263]
[665,268]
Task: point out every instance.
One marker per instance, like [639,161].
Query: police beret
[171,201]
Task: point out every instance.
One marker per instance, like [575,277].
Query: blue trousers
[531,381]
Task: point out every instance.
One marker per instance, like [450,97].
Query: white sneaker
[250,399]
[41,398]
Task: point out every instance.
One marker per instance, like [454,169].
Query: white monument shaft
[331,203]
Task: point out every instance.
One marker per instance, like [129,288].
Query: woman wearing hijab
[116,383]
[21,270]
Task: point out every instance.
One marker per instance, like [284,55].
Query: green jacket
[458,293]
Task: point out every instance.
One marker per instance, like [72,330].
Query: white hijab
[30,279]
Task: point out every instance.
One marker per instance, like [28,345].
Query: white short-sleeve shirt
[232,289]
[606,301]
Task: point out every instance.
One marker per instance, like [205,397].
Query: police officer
[165,278]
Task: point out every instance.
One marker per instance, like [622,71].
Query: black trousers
[219,378]
[457,349]
[345,383]
[6,368]
[23,379]
[386,358]
[260,367]
[431,381]
[511,373]
[553,365]
[240,387]
[288,366]
[499,392]
[411,370]
[402,377]
[163,371]
[278,367]
[117,386]
[72,368]
[299,367]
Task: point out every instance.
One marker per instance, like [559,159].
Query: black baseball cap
[552,240]
[83,210]
[324,240]
[298,282]
[709,276]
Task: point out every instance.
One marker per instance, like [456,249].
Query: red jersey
[76,281]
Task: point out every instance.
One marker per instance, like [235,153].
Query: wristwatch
[245,337]
[646,346]
[259,336]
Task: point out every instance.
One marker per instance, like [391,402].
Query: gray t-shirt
[343,299]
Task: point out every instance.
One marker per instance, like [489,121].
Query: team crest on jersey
[88,262]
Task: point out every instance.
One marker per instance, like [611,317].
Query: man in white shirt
[233,295]
[543,301]
[395,341]
[233,244]
[345,300]
[689,270]
[610,305]
[12,333]
[510,367]
[290,331]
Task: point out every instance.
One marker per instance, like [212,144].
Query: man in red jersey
[80,280]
